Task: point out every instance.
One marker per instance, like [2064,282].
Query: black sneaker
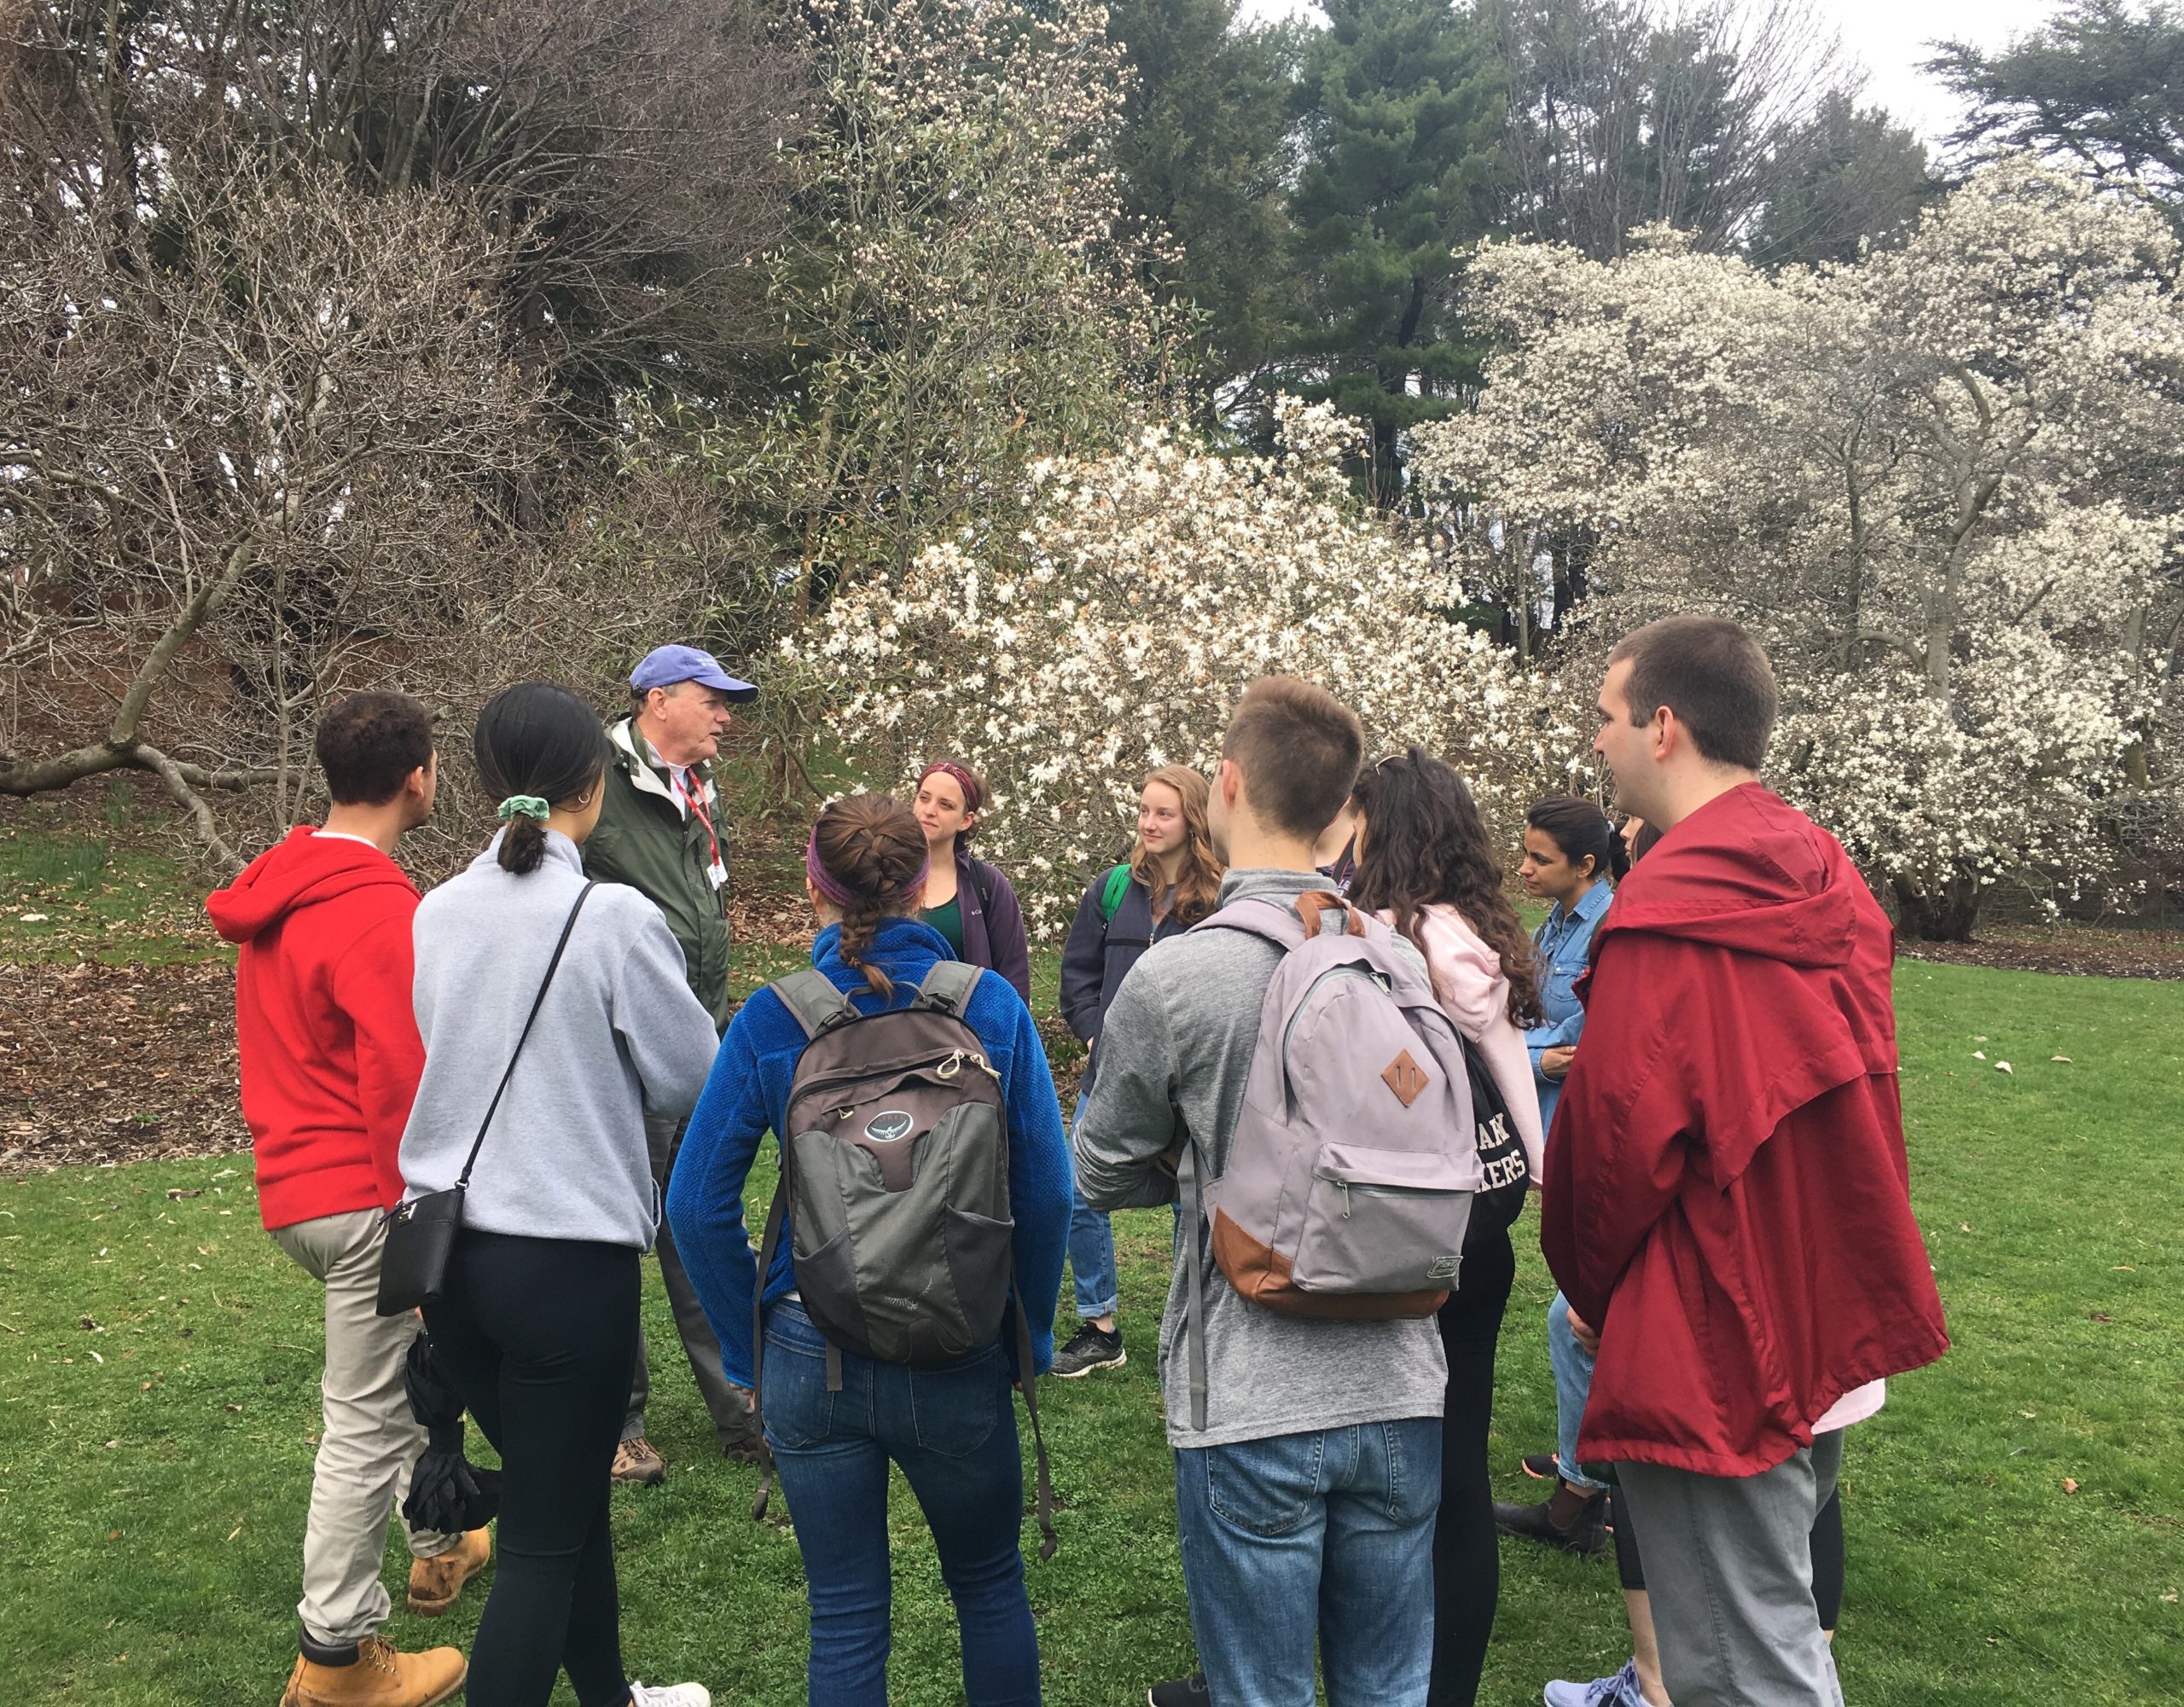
[1184,1692]
[1090,1349]
[1542,1467]
[1572,1521]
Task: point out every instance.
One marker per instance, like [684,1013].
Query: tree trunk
[1940,913]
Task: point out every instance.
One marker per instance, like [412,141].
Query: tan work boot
[377,1677]
[635,1462]
[434,1583]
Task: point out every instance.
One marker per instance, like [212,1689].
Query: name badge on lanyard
[692,793]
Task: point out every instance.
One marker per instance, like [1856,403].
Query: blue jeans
[1091,1249]
[1573,1385]
[954,1432]
[1330,1532]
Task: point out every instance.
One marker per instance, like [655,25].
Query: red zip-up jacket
[324,1019]
[1726,1197]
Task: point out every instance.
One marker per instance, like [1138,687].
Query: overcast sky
[1888,36]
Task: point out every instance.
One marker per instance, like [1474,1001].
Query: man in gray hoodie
[1306,1503]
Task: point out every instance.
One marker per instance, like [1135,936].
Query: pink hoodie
[1467,979]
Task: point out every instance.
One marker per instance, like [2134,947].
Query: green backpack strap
[1112,893]
[811,997]
[948,987]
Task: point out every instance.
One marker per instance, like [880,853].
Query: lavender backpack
[1350,1177]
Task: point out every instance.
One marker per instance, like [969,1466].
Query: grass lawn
[157,1409]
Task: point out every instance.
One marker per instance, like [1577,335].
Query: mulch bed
[117,1064]
[2074,951]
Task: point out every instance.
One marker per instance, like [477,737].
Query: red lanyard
[695,798]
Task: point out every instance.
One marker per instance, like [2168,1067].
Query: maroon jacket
[993,937]
[1727,1196]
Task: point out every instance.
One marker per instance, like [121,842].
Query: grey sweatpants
[729,1412]
[1728,1563]
[369,1442]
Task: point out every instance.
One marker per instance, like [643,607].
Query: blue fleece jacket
[747,1096]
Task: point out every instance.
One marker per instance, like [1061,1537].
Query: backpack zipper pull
[953,1065]
[1344,1185]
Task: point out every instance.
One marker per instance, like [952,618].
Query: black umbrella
[448,1494]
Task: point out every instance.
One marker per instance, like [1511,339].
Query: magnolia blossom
[1939,483]
[1113,634]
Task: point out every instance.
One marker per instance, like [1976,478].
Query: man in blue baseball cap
[659,832]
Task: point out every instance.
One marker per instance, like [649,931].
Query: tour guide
[659,832]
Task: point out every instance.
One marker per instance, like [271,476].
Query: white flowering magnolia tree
[1115,633]
[1940,482]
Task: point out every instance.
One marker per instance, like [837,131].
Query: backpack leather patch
[1406,1078]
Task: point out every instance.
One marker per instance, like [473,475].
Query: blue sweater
[747,1096]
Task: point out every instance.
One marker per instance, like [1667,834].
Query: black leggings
[1466,1556]
[541,1335]
[1829,1560]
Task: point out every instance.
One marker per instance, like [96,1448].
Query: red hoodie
[1727,1196]
[330,1052]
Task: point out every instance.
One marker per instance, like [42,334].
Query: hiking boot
[739,1440]
[1618,1690]
[1572,1520]
[669,1695]
[1542,1467]
[371,1674]
[1089,1348]
[434,1583]
[1184,1692]
[637,1464]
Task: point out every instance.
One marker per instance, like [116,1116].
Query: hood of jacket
[1749,872]
[648,771]
[303,870]
[906,949]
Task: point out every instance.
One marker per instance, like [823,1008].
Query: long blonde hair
[1198,880]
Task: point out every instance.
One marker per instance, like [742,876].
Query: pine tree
[1205,155]
[1402,111]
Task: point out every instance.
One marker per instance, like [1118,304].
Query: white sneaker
[669,1695]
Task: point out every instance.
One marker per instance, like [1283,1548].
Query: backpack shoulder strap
[1257,916]
[947,988]
[1112,892]
[810,995]
[982,876]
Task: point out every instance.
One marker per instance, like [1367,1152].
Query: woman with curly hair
[1427,864]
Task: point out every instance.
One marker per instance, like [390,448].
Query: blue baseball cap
[665,665]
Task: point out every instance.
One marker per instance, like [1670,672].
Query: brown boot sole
[449,1693]
[433,1609]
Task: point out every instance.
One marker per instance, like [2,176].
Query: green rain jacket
[647,840]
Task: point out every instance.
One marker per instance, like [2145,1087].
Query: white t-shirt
[1854,1407]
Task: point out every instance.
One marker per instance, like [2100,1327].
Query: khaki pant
[370,1441]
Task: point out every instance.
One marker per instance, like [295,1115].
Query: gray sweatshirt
[1179,1036]
[620,1035]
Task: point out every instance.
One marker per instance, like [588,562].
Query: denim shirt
[1563,944]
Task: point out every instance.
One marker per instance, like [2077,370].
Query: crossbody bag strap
[462,1184]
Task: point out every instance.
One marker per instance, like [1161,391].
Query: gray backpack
[896,1165]
[1352,1174]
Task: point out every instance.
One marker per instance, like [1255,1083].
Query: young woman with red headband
[966,900]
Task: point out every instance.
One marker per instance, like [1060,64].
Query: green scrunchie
[524,806]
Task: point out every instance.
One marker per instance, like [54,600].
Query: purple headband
[969,783]
[831,887]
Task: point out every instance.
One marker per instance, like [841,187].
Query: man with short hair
[1727,1203]
[1307,1502]
[330,1062]
[659,832]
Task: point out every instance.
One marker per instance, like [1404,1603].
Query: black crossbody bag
[420,1232]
